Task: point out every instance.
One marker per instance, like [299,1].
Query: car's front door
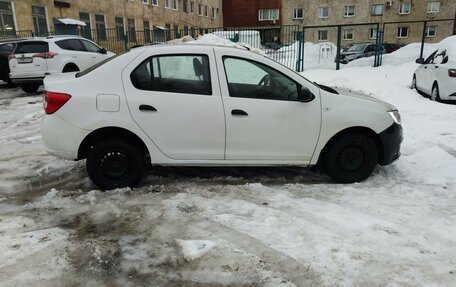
[175,99]
[94,53]
[424,74]
[264,119]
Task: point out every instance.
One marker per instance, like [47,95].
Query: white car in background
[34,59]
[197,105]
[436,76]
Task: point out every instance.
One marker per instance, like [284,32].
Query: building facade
[41,16]
[301,13]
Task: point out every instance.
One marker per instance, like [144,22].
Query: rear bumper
[28,81]
[61,138]
[391,139]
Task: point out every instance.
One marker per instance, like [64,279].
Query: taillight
[452,73]
[54,101]
[12,56]
[48,55]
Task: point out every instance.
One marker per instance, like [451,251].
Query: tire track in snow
[288,266]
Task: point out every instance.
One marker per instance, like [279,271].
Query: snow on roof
[69,21]
[449,44]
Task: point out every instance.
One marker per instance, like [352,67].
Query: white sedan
[436,76]
[198,105]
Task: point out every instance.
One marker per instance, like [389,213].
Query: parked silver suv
[357,51]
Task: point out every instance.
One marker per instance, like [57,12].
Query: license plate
[24,60]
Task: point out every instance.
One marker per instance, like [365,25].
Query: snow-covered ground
[236,226]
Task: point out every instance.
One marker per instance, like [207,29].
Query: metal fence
[285,44]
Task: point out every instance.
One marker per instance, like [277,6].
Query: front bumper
[391,139]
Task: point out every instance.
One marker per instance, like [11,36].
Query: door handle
[239,113]
[425,67]
[147,108]
[436,67]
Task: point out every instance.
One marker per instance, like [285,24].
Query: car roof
[53,38]
[183,46]
[13,40]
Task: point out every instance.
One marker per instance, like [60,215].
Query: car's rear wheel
[32,88]
[435,93]
[115,164]
[351,158]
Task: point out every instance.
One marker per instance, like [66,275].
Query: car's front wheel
[435,93]
[351,158]
[414,82]
[115,164]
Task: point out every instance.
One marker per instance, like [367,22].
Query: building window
[323,35]
[200,9]
[349,11]
[431,31]
[6,18]
[373,33]
[402,32]
[145,1]
[206,11]
[101,26]
[214,13]
[167,4]
[298,13]
[185,6]
[377,9]
[192,7]
[87,29]
[120,29]
[131,30]
[39,20]
[347,34]
[433,7]
[268,14]
[404,9]
[324,12]
[175,4]
[154,2]
[147,35]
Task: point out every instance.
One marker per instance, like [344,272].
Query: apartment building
[334,12]
[42,16]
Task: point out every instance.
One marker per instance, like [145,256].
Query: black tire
[30,89]
[115,164]
[435,93]
[70,68]
[351,158]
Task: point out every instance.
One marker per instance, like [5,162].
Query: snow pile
[449,44]
[430,166]
[213,39]
[249,37]
[193,249]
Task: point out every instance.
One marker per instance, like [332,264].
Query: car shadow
[233,175]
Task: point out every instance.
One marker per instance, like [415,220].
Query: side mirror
[103,51]
[419,61]
[445,60]
[305,95]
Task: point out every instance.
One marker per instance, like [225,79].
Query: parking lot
[235,226]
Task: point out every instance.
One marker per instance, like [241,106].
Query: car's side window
[90,47]
[430,59]
[187,74]
[250,79]
[75,45]
[7,47]
[370,48]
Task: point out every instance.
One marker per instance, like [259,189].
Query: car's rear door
[424,74]
[29,59]
[175,99]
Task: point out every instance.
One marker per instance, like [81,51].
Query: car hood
[349,93]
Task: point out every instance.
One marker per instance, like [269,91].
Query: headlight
[395,116]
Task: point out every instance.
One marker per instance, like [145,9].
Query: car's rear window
[32,47]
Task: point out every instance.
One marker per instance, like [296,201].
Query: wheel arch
[353,130]
[70,64]
[110,133]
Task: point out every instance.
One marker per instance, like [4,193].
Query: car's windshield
[91,68]
[356,48]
